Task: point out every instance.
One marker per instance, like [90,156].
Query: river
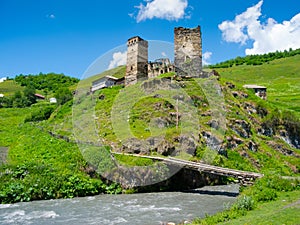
[133,209]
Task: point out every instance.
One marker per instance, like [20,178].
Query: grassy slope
[241,157]
[61,121]
[285,210]
[9,87]
[281,77]
[117,72]
[40,166]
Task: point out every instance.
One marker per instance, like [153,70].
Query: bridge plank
[202,167]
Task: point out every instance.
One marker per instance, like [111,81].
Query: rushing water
[139,209]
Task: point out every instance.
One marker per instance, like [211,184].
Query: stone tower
[137,60]
[188,51]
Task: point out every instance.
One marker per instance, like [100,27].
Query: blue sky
[65,36]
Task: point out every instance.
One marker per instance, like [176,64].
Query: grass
[117,114]
[285,210]
[86,83]
[9,87]
[40,166]
[281,77]
[271,200]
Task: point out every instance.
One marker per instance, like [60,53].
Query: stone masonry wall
[137,60]
[188,51]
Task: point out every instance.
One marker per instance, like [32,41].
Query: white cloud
[119,58]
[233,31]
[162,9]
[164,54]
[266,37]
[206,57]
[51,16]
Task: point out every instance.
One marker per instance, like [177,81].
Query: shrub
[265,195]
[244,202]
[40,114]
[63,95]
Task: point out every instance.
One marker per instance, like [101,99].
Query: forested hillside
[256,59]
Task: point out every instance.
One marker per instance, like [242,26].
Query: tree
[18,100]
[63,95]
[29,94]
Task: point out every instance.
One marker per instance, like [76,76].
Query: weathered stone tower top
[137,60]
[188,51]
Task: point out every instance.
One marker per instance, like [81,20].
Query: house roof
[39,96]
[108,77]
[253,86]
[111,77]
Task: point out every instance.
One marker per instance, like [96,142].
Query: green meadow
[281,77]
[9,87]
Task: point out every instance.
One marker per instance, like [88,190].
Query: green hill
[208,120]
[246,117]
[117,72]
[9,87]
[281,77]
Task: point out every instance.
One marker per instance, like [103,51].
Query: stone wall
[188,51]
[159,67]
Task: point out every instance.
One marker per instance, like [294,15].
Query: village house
[259,91]
[39,96]
[105,82]
[52,100]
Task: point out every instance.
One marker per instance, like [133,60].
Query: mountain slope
[281,77]
[253,130]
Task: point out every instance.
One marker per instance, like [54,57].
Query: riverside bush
[265,195]
[244,202]
[277,183]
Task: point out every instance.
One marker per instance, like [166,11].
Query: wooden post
[177,114]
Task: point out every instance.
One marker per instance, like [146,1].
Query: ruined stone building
[188,57]
[188,51]
[160,66]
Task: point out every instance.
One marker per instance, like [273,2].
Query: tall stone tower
[188,51]
[137,60]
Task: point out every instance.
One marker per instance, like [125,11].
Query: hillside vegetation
[21,92]
[9,87]
[212,120]
[256,59]
[49,82]
[247,142]
[281,77]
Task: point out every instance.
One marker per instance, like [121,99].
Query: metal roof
[254,86]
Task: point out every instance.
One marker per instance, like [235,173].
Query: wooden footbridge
[243,177]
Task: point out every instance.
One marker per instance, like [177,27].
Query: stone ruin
[188,51]
[188,57]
